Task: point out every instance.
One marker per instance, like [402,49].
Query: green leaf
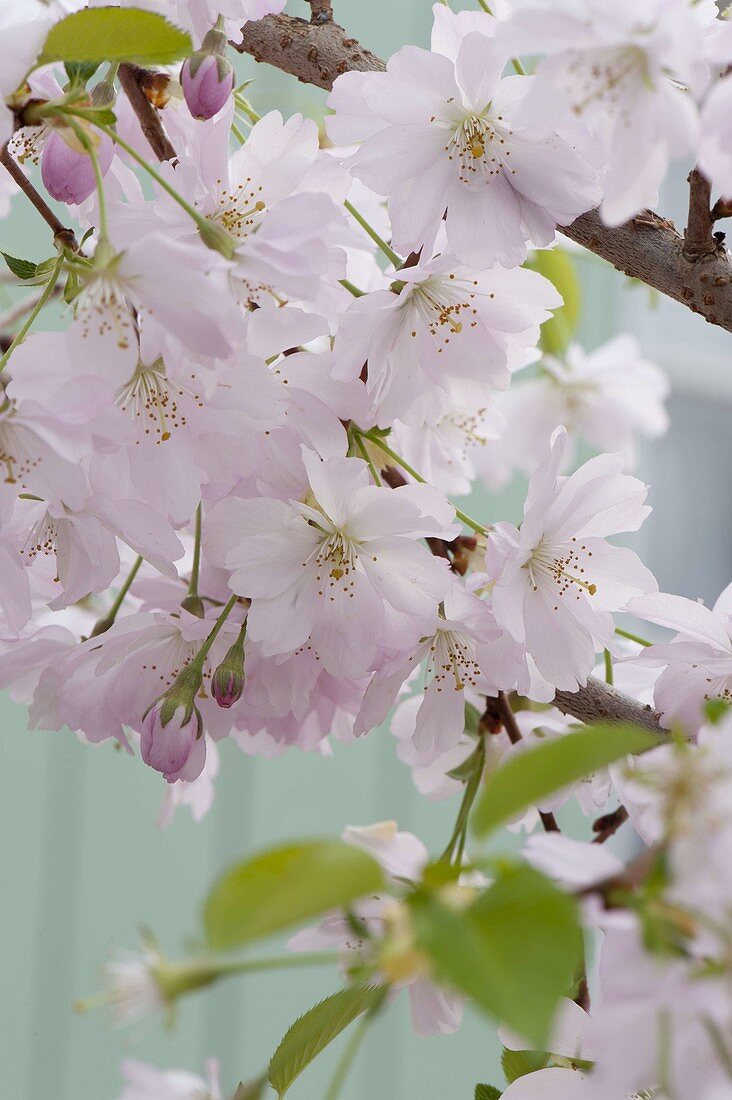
[312,1033]
[514,951]
[22,269]
[517,1063]
[557,266]
[79,72]
[284,886]
[529,777]
[487,1092]
[115,34]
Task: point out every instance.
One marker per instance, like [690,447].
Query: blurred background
[83,864]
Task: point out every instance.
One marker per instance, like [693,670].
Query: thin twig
[62,235]
[607,825]
[132,79]
[508,720]
[20,309]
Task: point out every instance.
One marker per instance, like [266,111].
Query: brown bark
[598,702]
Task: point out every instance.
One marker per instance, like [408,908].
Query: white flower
[450,335]
[558,579]
[439,133]
[337,570]
[697,662]
[144,1082]
[623,74]
[603,398]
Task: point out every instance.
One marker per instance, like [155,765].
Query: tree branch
[316,53]
[509,723]
[647,248]
[133,78]
[598,702]
[61,234]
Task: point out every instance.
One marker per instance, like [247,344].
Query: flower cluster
[228,479]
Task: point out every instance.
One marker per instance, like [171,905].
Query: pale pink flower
[604,398]
[450,335]
[67,172]
[24,25]
[464,651]
[697,662]
[144,1082]
[313,570]
[439,132]
[403,856]
[557,580]
[623,76]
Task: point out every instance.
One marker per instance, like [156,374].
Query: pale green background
[84,865]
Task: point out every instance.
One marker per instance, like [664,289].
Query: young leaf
[22,269]
[517,1063]
[487,1092]
[284,886]
[556,266]
[529,777]
[515,950]
[312,1033]
[115,34]
[79,72]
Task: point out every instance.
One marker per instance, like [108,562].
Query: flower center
[103,307]
[451,661]
[565,565]
[602,77]
[335,561]
[478,146]
[17,451]
[444,305]
[155,400]
[238,210]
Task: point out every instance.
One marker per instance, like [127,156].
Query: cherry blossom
[441,131]
[697,662]
[144,1082]
[450,335]
[558,576]
[605,398]
[629,78]
[350,555]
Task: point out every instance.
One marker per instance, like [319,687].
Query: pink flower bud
[176,747]
[227,682]
[207,80]
[68,175]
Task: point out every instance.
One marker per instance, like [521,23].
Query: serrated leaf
[517,1063]
[313,1032]
[284,886]
[487,1092]
[529,777]
[116,34]
[22,269]
[514,951]
[557,266]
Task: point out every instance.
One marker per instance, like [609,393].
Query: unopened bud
[66,167]
[172,740]
[194,605]
[227,684]
[207,79]
[207,76]
[103,94]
